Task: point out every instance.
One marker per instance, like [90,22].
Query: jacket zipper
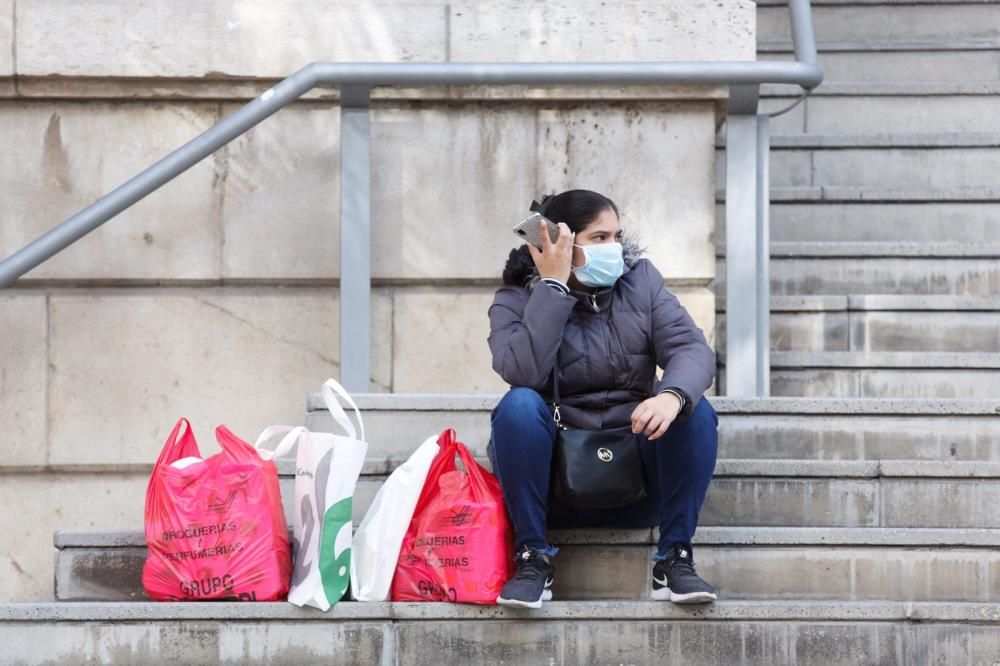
[593,301]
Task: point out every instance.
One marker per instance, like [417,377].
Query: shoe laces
[679,564]
[530,565]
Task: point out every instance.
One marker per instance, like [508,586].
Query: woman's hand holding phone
[554,260]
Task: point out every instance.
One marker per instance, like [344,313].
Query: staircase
[852,519]
[885,214]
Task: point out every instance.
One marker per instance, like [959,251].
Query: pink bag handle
[444,461]
[178,445]
[234,447]
[471,466]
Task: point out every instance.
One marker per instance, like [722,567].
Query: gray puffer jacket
[608,343]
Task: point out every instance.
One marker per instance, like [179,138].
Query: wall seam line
[13,48]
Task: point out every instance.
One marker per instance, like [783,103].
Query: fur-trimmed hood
[520,270]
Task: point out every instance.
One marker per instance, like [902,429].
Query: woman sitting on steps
[588,305]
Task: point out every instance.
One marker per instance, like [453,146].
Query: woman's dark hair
[577,208]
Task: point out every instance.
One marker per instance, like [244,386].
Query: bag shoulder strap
[556,415]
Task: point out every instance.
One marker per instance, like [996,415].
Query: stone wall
[216,297]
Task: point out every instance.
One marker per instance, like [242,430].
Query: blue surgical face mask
[603,266]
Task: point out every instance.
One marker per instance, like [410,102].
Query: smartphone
[528,229]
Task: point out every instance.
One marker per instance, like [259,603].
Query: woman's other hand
[554,260]
[653,416]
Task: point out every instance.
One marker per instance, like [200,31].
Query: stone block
[618,150]
[879,275]
[6,37]
[583,572]
[902,168]
[888,24]
[815,383]
[447,187]
[243,357]
[954,383]
[700,304]
[859,438]
[196,642]
[774,573]
[968,384]
[108,643]
[440,338]
[788,168]
[906,66]
[23,383]
[566,31]
[439,341]
[887,114]
[396,435]
[281,197]
[857,573]
[932,575]
[934,222]
[792,122]
[925,331]
[189,38]
[62,156]
[704,642]
[941,503]
[800,331]
[835,643]
[479,642]
[791,502]
[44,503]
[951,643]
[105,574]
[343,643]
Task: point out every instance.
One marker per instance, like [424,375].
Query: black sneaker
[674,579]
[531,585]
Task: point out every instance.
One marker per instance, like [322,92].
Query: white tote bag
[327,467]
[380,535]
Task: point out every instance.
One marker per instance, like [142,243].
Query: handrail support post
[763,227]
[355,238]
[745,320]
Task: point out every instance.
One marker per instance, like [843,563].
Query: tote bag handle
[331,389]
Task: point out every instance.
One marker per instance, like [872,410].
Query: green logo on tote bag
[335,570]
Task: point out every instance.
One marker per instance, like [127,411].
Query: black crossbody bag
[595,469]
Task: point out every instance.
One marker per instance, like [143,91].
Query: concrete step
[832,268]
[884,64]
[858,220]
[800,141]
[879,323]
[877,166]
[863,108]
[888,25]
[848,564]
[869,195]
[887,493]
[883,374]
[562,632]
[800,428]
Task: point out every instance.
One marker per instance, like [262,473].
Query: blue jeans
[678,467]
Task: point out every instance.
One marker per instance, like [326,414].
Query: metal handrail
[803,72]
[356,79]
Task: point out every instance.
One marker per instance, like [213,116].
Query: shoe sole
[517,603]
[664,594]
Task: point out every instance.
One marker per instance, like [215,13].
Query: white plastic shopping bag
[327,467]
[380,535]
